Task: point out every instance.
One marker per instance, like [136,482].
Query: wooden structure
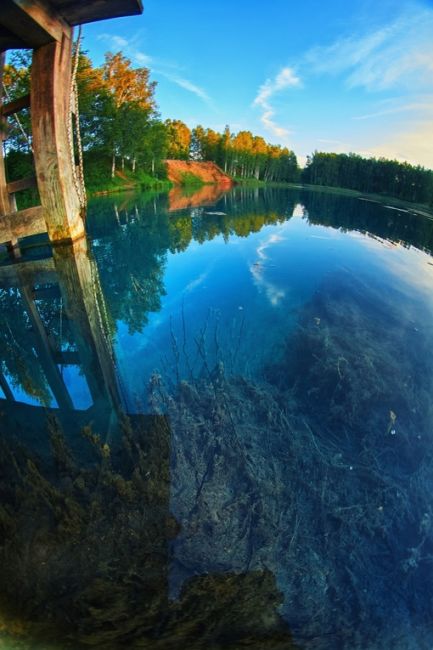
[72,275]
[46,26]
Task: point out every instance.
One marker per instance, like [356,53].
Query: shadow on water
[239,513]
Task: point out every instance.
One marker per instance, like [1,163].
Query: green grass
[97,170]
[191,180]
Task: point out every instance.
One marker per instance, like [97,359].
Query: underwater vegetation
[291,511]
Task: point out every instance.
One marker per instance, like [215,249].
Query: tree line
[370,175]
[123,133]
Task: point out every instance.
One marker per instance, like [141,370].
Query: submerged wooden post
[51,119]
[84,304]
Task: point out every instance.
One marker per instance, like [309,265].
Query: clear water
[217,427]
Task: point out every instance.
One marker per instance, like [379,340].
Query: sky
[325,75]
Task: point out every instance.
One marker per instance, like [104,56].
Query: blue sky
[331,75]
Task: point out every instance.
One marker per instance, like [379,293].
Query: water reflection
[85,491]
[240,510]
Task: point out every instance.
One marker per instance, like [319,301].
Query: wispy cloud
[397,55]
[286,78]
[258,269]
[403,108]
[159,67]
[186,84]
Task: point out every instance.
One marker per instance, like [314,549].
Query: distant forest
[124,136]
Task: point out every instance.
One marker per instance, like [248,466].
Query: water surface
[217,427]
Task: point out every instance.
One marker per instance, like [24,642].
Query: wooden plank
[50,94]
[6,388]
[22,184]
[23,223]
[45,352]
[78,12]
[5,202]
[47,293]
[32,271]
[84,306]
[33,21]
[16,105]
[9,41]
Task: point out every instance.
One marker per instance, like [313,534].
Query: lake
[216,421]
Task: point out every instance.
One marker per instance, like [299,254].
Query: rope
[78,176]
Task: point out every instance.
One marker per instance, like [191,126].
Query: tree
[178,139]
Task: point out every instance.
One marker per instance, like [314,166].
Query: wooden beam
[47,293]
[9,41]
[44,351]
[85,308]
[50,96]
[33,272]
[22,184]
[78,12]
[34,22]
[23,223]
[5,202]
[16,105]
[6,388]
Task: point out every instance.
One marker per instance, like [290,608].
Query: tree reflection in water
[239,511]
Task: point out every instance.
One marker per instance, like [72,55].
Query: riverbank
[190,175]
[414,208]
[393,202]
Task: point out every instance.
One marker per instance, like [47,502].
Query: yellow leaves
[127,84]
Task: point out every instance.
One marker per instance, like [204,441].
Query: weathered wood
[22,184]
[30,272]
[47,293]
[16,105]
[23,223]
[32,21]
[45,352]
[5,203]
[78,12]
[9,41]
[6,388]
[85,308]
[50,93]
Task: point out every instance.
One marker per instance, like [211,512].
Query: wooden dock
[47,28]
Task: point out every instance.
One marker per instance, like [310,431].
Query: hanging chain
[78,175]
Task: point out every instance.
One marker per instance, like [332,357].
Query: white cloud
[286,78]
[403,108]
[273,293]
[397,55]
[186,84]
[158,67]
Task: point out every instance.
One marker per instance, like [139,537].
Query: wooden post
[84,305]
[50,99]
[7,203]
[44,351]
[4,195]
